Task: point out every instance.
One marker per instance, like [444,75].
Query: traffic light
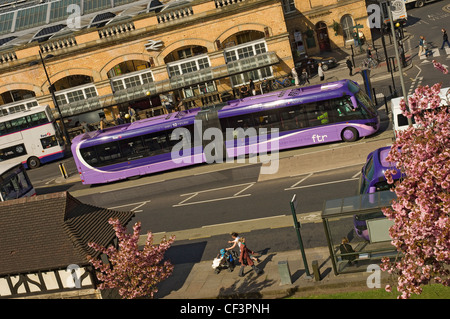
[400,24]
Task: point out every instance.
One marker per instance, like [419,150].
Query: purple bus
[372,179]
[323,113]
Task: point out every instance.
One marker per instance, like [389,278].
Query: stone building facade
[194,51]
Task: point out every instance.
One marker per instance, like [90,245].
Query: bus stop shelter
[360,220]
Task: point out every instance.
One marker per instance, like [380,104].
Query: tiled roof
[52,231]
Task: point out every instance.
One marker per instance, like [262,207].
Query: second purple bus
[323,113]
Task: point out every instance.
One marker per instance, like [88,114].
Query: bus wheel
[132,178]
[419,3]
[349,134]
[33,162]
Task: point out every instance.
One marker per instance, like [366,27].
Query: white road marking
[138,205]
[235,195]
[321,184]
[303,179]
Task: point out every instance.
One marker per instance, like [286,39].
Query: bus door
[211,142]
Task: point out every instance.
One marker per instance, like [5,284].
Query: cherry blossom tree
[134,272]
[421,230]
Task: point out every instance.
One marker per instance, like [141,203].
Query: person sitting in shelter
[346,248]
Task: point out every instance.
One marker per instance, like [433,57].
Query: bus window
[293,118]
[132,147]
[366,104]
[367,176]
[89,155]
[108,153]
[312,112]
[49,141]
[241,121]
[268,119]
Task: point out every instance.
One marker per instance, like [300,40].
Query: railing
[224,3]
[116,30]
[175,14]
[58,44]
[8,57]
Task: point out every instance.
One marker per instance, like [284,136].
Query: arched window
[347,24]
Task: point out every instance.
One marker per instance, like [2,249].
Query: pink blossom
[134,272]
[440,67]
[421,230]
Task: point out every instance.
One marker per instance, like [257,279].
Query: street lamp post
[51,88]
[400,68]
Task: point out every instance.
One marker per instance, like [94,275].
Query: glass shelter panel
[360,221]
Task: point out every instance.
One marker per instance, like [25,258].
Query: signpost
[297,227]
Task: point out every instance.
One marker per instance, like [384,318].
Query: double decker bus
[323,113]
[14,182]
[30,137]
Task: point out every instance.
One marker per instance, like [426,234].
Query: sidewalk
[342,72]
[203,283]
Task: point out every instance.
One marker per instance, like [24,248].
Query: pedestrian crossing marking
[434,53]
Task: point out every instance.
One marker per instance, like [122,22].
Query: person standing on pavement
[320,72]
[252,87]
[295,76]
[444,39]
[349,66]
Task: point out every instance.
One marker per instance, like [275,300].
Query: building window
[244,51]
[347,24]
[76,94]
[288,6]
[188,66]
[132,80]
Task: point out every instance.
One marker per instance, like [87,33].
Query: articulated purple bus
[335,111]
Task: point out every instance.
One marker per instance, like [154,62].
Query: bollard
[285,274]
[63,170]
[385,105]
[374,96]
[316,271]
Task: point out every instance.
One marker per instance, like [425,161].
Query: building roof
[52,231]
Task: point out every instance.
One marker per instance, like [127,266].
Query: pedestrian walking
[295,76]
[425,47]
[349,66]
[245,258]
[237,242]
[421,45]
[305,77]
[132,114]
[444,39]
[320,72]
